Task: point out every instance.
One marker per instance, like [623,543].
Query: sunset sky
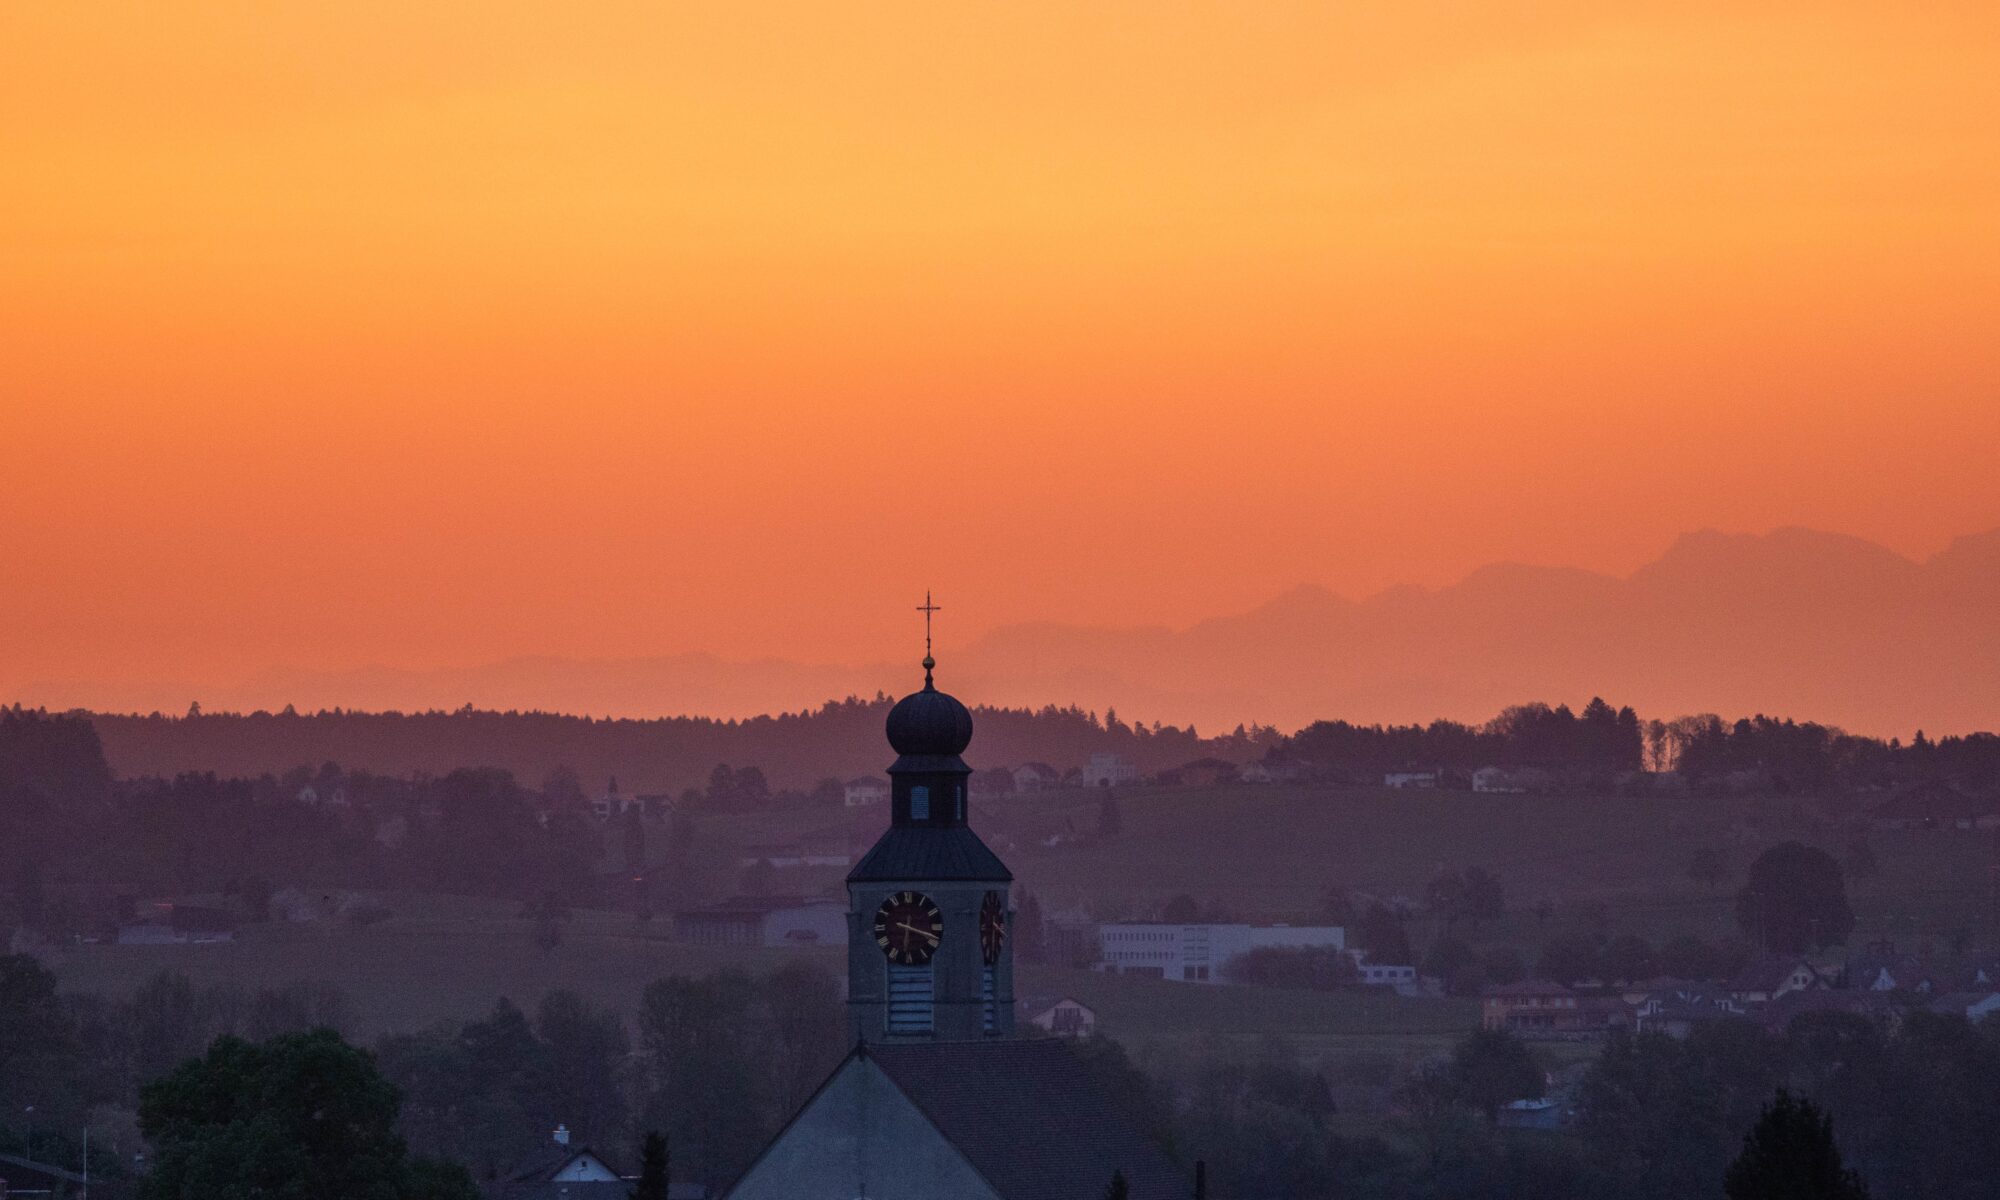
[432,334]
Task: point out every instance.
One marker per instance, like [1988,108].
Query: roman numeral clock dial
[909,927]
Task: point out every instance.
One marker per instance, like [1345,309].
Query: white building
[860,793]
[1387,975]
[1036,777]
[1494,779]
[1410,779]
[1109,770]
[1198,953]
[613,803]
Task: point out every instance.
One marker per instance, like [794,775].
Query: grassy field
[441,958]
[1607,862]
[1268,852]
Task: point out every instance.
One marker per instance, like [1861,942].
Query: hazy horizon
[1300,655]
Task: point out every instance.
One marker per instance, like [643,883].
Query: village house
[561,1171]
[1881,968]
[613,803]
[1036,777]
[1679,1013]
[1410,779]
[1770,978]
[1059,1015]
[1403,979]
[1109,770]
[861,793]
[1531,1005]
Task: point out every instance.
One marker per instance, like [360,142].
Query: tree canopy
[303,1115]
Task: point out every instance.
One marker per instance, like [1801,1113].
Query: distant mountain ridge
[1794,622]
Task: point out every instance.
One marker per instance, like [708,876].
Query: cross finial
[927,608]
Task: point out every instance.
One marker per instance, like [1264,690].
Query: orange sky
[428,334]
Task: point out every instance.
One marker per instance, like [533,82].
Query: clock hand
[913,929]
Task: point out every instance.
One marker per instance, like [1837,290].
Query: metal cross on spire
[927,608]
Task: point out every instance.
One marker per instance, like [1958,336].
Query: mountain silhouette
[1794,622]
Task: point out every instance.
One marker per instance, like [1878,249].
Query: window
[920,804]
[912,998]
[989,1001]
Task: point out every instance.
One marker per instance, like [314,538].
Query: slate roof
[595,1189]
[1030,1118]
[929,853]
[543,1164]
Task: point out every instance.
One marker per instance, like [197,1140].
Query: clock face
[992,927]
[908,927]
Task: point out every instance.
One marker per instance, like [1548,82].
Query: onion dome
[930,723]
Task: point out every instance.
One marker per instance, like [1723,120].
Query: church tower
[929,958]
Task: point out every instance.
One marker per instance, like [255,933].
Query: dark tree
[1382,936]
[1456,965]
[33,1033]
[301,1115]
[653,1168]
[1117,1188]
[1485,899]
[1569,959]
[1336,907]
[1794,900]
[1492,1067]
[1789,1155]
[1031,943]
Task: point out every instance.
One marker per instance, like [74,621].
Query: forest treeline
[668,754]
[844,739]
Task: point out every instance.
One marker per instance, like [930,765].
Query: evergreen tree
[653,1168]
[1117,1188]
[1030,936]
[1795,899]
[1789,1155]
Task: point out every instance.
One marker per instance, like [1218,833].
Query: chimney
[562,1139]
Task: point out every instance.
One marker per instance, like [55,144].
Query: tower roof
[904,853]
[929,724]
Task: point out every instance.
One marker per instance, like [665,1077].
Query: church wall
[860,1137]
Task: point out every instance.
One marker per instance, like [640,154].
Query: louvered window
[920,804]
[989,1000]
[912,999]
